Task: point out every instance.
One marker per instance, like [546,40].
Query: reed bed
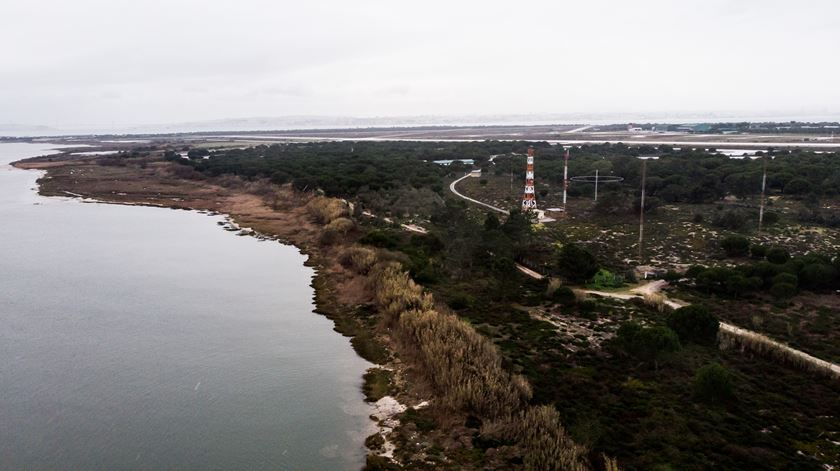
[466,370]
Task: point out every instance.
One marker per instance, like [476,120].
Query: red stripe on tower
[529,199]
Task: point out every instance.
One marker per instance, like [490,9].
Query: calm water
[144,338]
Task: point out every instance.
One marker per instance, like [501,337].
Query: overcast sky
[71,63]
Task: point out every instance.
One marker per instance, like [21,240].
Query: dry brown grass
[546,445]
[341,225]
[553,285]
[580,295]
[610,464]
[769,348]
[656,301]
[325,210]
[359,259]
[466,370]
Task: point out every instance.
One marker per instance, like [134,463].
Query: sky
[112,63]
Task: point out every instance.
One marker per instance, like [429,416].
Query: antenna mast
[763,195]
[565,178]
[529,200]
[642,210]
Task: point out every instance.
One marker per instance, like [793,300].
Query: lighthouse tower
[529,200]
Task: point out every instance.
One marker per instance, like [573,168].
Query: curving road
[471,200]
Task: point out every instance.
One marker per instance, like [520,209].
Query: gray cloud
[119,62]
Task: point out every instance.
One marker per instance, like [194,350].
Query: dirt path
[461,195]
[529,272]
[743,334]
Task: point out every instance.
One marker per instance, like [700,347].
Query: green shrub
[671,276]
[777,255]
[604,279]
[797,186]
[712,383]
[770,218]
[420,418]
[817,276]
[736,246]
[564,296]
[576,263]
[733,220]
[694,324]
[783,291]
[788,278]
[758,251]
[380,463]
[460,301]
[377,384]
[380,238]
[647,343]
[694,270]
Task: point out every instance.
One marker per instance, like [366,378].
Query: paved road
[471,200]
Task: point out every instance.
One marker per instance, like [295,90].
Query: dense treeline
[345,168]
[402,175]
[772,271]
[685,175]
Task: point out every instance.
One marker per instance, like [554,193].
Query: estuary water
[146,338]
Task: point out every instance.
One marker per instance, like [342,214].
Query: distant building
[450,162]
[695,128]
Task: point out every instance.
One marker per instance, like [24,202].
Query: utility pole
[642,210]
[565,178]
[510,167]
[763,196]
[596,185]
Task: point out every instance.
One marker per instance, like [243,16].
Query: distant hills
[278,123]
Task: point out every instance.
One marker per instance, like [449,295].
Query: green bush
[787,278]
[736,246]
[564,296]
[817,276]
[647,343]
[770,218]
[576,263]
[758,251]
[420,418]
[460,301]
[797,186]
[606,279]
[380,238]
[694,270]
[694,324]
[783,291]
[778,255]
[713,383]
[733,220]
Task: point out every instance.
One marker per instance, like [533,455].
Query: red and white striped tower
[529,200]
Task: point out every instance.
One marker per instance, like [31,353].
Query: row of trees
[771,270]
[686,175]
